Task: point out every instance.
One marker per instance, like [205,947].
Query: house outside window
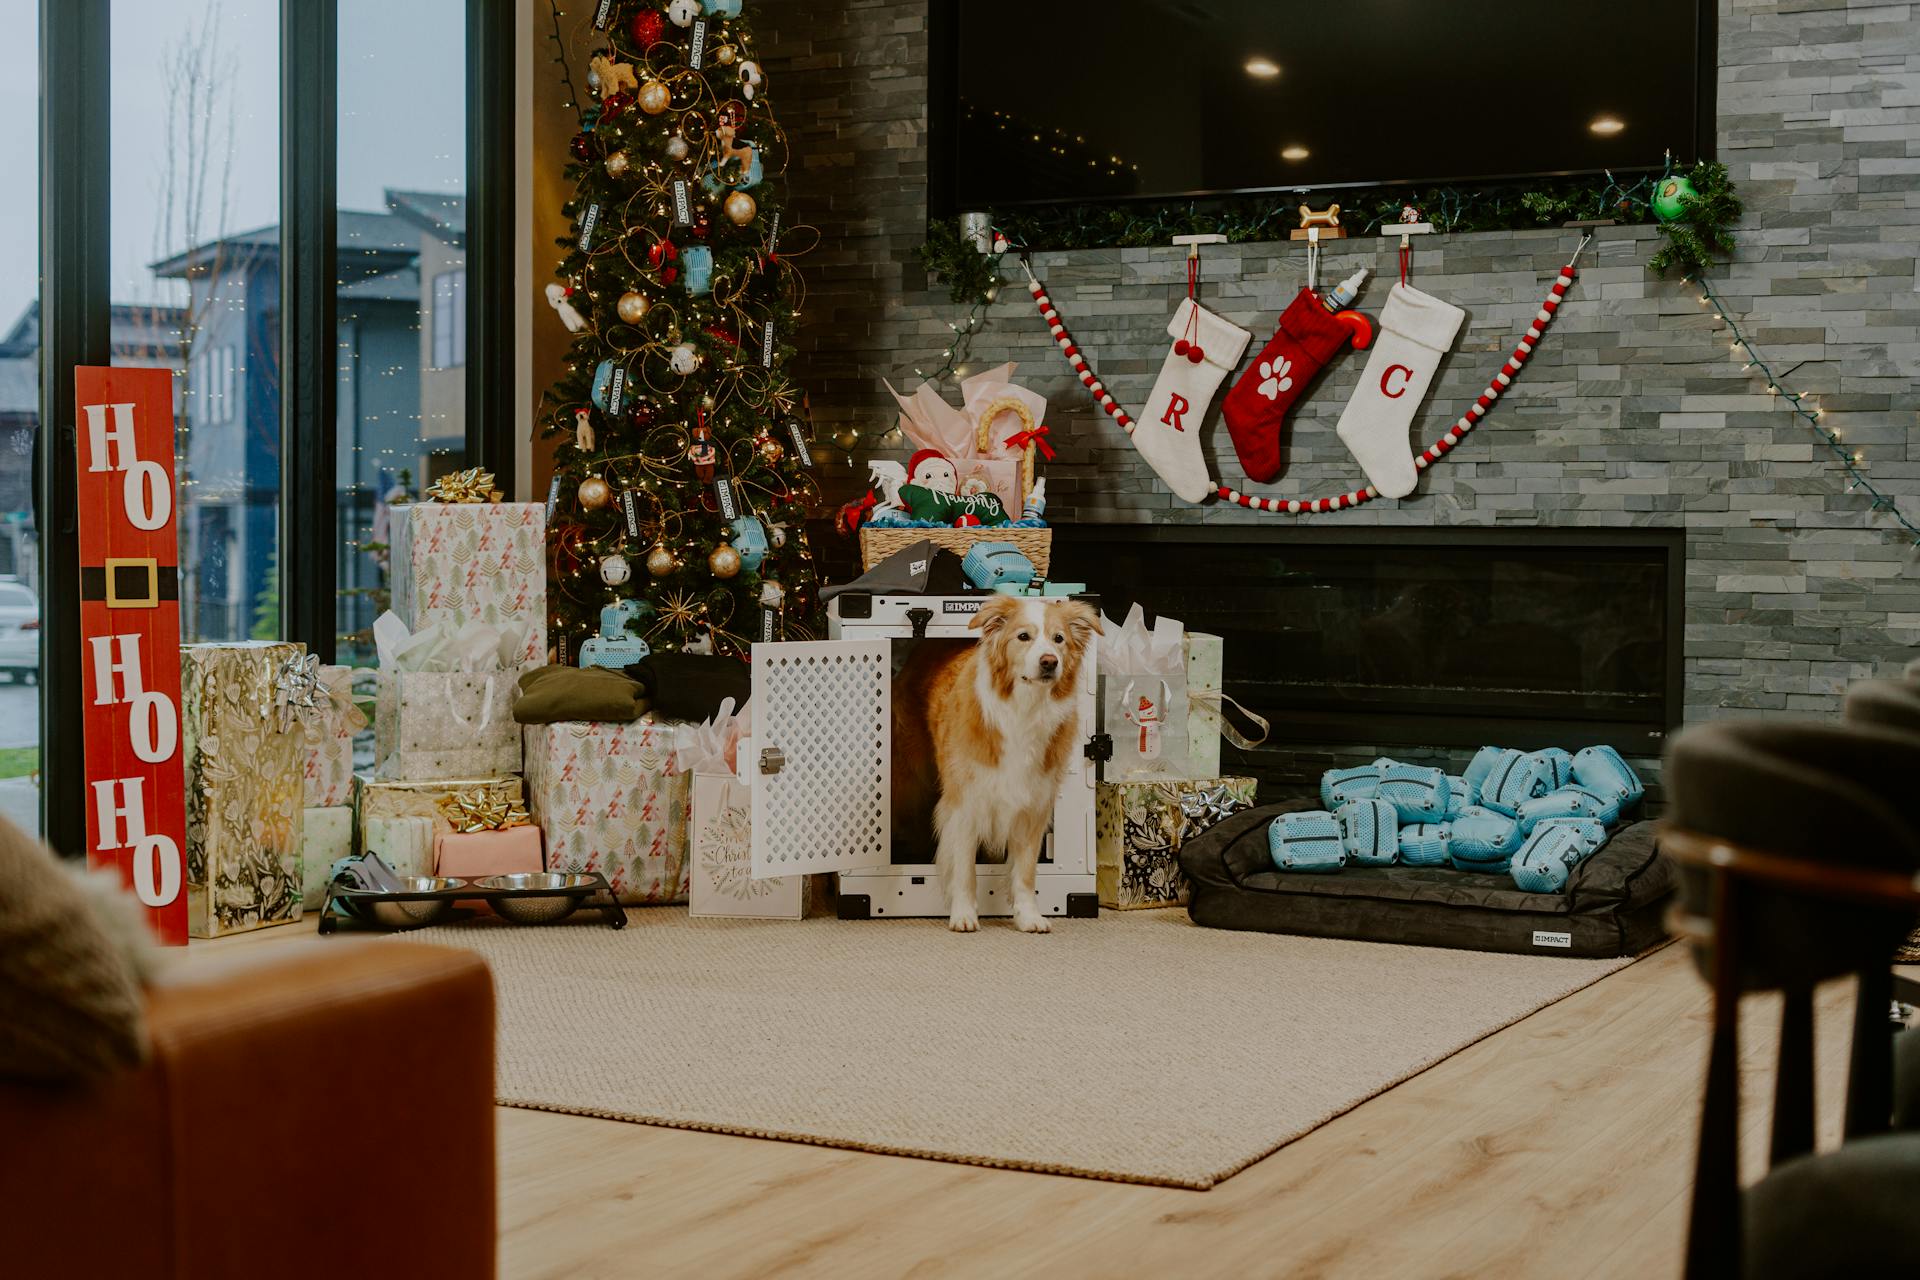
[450,319]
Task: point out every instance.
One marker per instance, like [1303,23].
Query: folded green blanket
[549,695]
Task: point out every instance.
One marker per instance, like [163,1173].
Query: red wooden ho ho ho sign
[130,637]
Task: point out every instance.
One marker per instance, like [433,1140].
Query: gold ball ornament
[660,561]
[618,163]
[771,450]
[595,493]
[740,208]
[725,54]
[632,307]
[654,97]
[725,561]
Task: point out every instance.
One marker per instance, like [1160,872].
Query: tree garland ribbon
[1499,383]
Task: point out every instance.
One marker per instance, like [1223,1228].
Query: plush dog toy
[614,77]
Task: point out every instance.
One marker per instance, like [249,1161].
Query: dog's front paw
[1031,922]
[967,921]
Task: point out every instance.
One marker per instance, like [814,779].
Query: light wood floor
[1561,1146]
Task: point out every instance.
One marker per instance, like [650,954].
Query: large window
[196,282]
[401,308]
[19,415]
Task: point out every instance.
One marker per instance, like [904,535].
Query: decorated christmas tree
[684,480]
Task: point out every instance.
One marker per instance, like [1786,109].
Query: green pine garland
[1704,229]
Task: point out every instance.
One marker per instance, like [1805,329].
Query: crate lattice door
[823,742]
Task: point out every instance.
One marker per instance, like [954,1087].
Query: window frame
[75,191]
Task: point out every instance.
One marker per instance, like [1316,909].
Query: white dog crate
[822,768]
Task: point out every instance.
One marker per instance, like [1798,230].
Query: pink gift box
[469,855]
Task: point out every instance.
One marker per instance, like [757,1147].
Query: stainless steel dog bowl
[415,914]
[522,906]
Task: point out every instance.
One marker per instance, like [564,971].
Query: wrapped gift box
[722,883]
[1140,827]
[610,800]
[375,799]
[468,855]
[243,748]
[328,762]
[326,837]
[472,560]
[430,725]
[404,844]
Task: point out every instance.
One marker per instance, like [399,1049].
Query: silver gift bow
[296,689]
[1202,807]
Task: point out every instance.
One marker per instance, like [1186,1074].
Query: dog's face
[1035,643]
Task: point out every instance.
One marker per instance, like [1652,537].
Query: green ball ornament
[1670,195]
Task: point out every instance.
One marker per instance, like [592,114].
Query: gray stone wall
[1633,411]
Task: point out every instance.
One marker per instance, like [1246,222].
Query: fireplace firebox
[1525,637]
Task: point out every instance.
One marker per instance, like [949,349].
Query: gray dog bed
[1614,904]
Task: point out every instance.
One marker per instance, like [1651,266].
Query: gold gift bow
[1210,700]
[483,809]
[475,484]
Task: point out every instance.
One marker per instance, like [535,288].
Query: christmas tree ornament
[582,147]
[771,450]
[677,148]
[1307,337]
[701,453]
[1670,196]
[725,561]
[1416,330]
[614,570]
[750,540]
[724,55]
[648,28]
[560,298]
[618,163]
[740,208]
[684,360]
[660,561]
[583,430]
[722,8]
[777,534]
[610,76]
[698,260]
[594,493]
[681,13]
[615,105]
[772,594]
[750,79]
[654,97]
[632,307]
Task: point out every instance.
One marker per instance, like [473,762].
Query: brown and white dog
[993,725]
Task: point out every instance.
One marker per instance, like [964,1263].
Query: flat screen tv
[1057,102]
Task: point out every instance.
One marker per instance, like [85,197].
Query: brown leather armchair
[316,1108]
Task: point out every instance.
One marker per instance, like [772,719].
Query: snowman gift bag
[1143,697]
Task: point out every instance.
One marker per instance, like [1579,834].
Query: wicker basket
[876,544]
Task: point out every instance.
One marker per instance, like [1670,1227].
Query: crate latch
[772,760]
[1099,748]
[920,616]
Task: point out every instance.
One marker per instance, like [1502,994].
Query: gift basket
[971,478]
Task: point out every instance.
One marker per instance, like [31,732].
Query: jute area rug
[1137,1047]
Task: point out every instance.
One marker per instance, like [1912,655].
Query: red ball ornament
[649,27]
[701,228]
[660,251]
[612,106]
[582,147]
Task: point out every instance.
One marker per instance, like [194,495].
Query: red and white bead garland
[1316,506]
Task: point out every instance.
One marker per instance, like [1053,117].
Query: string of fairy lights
[1804,407]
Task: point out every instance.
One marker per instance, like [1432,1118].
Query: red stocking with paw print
[1257,407]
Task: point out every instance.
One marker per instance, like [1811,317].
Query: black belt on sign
[130,584]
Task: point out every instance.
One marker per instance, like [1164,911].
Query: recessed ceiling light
[1262,68]
[1295,152]
[1606,126]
